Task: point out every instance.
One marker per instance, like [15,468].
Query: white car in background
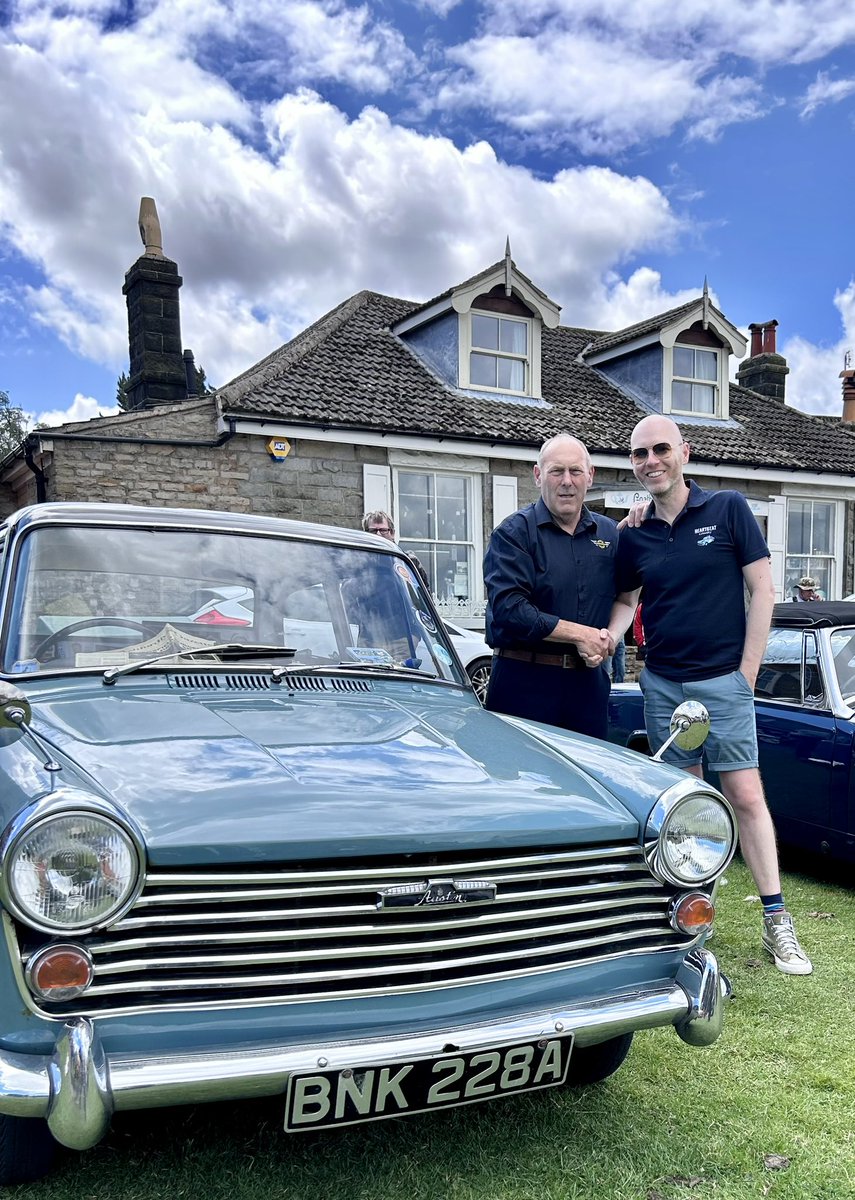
[475,655]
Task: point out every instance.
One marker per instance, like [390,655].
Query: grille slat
[315,931]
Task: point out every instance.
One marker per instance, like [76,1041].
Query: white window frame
[531,359]
[834,558]
[474,607]
[693,379]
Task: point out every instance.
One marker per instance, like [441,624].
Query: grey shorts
[732,743]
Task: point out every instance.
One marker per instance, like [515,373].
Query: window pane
[798,527]
[485,332]
[415,495]
[482,370]
[703,398]
[511,374]
[452,517]
[514,337]
[453,573]
[706,364]
[683,362]
[823,528]
[681,396]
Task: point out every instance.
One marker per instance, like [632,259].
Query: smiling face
[658,453]
[564,474]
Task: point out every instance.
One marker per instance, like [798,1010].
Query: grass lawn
[768,1111]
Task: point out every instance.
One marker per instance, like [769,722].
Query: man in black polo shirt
[550,577]
[695,553]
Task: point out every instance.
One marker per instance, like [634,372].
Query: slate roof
[605,341]
[348,370]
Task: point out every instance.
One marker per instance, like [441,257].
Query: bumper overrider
[79,1087]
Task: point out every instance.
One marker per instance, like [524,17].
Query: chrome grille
[314,931]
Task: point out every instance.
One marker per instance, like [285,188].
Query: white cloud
[81,408]
[268,235]
[622,71]
[825,90]
[813,383]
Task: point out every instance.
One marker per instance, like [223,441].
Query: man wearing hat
[806,589]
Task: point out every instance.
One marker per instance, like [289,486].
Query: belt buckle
[567,660]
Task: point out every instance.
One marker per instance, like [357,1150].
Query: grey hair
[376,517]
[557,438]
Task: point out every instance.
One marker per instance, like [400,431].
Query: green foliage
[768,1111]
[122,392]
[203,388]
[13,425]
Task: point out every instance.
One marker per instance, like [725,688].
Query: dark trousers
[575,700]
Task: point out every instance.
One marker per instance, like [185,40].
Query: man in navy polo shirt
[549,571]
[695,553]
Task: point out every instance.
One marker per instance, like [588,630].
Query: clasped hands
[596,646]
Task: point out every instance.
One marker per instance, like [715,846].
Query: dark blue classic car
[805,706]
[259,838]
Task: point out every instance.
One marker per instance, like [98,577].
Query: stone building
[435,412]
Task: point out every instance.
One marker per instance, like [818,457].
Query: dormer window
[694,380]
[499,354]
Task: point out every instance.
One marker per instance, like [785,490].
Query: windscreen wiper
[279,673]
[223,653]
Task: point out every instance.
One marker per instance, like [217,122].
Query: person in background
[638,635]
[381,523]
[696,552]
[806,589]
[549,572]
[618,662]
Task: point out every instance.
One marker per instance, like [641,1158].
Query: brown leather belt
[570,662]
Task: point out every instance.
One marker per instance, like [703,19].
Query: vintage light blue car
[804,700]
[259,837]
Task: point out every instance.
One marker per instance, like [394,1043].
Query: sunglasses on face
[661,450]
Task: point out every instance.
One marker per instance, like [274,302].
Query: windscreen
[96,597]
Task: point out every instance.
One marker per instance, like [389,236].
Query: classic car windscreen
[97,597]
[843,654]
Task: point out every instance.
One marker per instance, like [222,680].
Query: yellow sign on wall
[278,448]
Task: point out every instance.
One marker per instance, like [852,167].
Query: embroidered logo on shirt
[600,544]
[706,541]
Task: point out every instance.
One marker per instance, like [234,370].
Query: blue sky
[301,150]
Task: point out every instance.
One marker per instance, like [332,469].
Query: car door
[796,734]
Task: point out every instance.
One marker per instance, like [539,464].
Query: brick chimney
[157,371]
[766,370]
[848,377]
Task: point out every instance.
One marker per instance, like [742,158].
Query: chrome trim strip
[193,983]
[378,929]
[77,1103]
[475,862]
[338,954]
[635,886]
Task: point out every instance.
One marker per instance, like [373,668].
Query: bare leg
[744,790]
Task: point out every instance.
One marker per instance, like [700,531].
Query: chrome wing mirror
[690,724]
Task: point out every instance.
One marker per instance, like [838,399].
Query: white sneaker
[779,939]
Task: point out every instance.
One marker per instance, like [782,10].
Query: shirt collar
[544,517]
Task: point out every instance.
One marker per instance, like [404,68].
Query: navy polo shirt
[537,574]
[693,602]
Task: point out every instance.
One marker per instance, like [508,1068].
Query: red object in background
[637,627]
[213,617]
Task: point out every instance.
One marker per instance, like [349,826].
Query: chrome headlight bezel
[672,803]
[64,804]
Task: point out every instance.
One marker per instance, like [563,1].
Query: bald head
[555,443]
[658,454]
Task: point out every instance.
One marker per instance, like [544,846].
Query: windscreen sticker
[370,654]
[24,665]
[442,654]
[427,620]
[405,573]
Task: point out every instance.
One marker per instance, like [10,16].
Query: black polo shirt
[537,574]
[693,598]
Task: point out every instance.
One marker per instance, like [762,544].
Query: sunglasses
[661,450]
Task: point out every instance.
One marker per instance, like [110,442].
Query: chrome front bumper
[78,1088]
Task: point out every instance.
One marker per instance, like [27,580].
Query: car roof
[137,515]
[813,614]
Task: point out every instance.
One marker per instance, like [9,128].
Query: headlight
[691,834]
[70,871]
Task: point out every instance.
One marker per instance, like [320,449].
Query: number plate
[349,1095]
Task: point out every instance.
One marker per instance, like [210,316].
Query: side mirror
[690,725]
[14,707]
